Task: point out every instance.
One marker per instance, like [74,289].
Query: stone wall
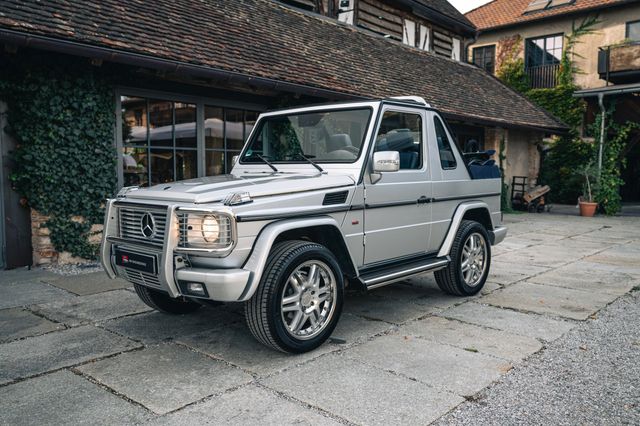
[44,253]
[521,151]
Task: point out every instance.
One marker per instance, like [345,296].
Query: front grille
[131,225]
[141,278]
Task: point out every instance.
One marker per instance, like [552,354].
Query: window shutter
[425,38]
[409,32]
[455,49]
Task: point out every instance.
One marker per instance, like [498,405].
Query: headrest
[338,141]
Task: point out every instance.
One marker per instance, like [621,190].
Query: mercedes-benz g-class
[359,194]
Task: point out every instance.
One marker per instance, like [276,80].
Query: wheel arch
[322,230]
[477,211]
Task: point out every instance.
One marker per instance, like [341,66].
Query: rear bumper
[498,235]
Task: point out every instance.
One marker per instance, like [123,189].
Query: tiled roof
[500,13]
[261,38]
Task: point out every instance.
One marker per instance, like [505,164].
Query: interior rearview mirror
[386,161]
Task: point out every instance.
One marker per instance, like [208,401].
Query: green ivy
[560,102]
[609,181]
[567,154]
[62,118]
[512,73]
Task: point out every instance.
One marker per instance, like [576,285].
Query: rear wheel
[299,300]
[161,301]
[470,261]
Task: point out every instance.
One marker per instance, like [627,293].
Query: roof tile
[500,13]
[265,39]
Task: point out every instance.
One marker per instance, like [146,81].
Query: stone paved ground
[83,349]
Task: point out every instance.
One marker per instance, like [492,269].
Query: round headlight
[210,228]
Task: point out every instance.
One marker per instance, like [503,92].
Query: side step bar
[395,273]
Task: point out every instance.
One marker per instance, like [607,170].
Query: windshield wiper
[267,162]
[310,161]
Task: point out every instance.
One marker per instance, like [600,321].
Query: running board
[395,273]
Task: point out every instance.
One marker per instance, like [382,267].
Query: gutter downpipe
[602,132]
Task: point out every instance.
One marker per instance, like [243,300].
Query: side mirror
[386,161]
[234,160]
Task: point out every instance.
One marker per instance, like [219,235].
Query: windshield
[322,136]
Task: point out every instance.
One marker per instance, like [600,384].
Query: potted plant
[586,202]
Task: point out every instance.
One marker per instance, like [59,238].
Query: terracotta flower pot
[587,209]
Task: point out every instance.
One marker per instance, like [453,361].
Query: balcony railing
[620,63]
[543,76]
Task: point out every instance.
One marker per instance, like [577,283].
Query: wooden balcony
[543,76]
[620,63]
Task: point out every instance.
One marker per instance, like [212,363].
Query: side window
[447,158]
[402,132]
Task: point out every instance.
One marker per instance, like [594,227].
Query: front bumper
[174,273]
[224,285]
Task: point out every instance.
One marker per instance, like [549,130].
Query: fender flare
[257,260]
[457,220]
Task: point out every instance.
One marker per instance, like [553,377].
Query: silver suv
[357,194]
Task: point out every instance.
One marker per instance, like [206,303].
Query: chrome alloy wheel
[474,259]
[308,300]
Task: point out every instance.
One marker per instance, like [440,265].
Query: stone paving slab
[14,294]
[363,394]
[545,299]
[581,276]
[546,255]
[446,367]
[52,351]
[237,346]
[64,398]
[17,323]
[507,273]
[394,311]
[22,275]
[421,290]
[93,308]
[354,329]
[532,325]
[626,257]
[473,338]
[155,327]
[166,377]
[84,284]
[249,405]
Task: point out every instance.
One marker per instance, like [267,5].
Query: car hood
[216,188]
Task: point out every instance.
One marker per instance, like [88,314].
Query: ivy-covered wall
[61,113]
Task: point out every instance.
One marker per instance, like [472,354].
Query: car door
[397,208]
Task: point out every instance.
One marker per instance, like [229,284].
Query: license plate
[140,262]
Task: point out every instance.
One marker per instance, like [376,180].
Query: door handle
[424,200]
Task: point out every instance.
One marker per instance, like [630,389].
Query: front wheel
[299,300]
[470,255]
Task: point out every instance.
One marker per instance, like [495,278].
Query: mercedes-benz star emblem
[148,225]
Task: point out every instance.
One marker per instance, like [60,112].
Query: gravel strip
[74,269]
[589,376]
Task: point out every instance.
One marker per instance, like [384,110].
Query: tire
[288,325]
[161,301]
[452,279]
